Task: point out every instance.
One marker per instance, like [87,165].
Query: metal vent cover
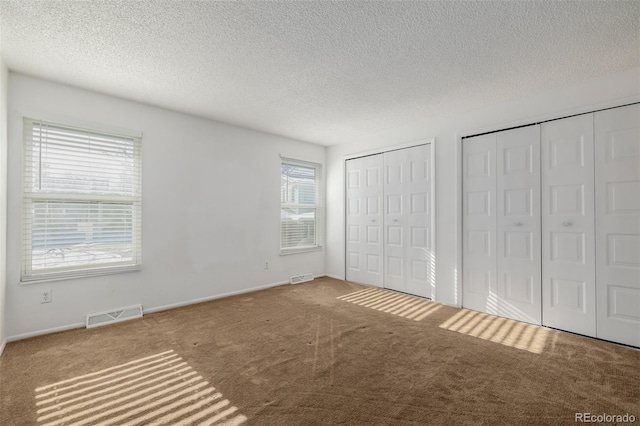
[302,278]
[111,317]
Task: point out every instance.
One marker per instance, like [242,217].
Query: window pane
[74,162]
[298,227]
[70,234]
[298,184]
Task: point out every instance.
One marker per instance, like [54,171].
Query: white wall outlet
[46,297]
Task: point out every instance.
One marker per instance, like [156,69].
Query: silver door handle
[518,224]
[373,220]
[395,220]
[566,223]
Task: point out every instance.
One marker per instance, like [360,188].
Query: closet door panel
[364,220]
[396,207]
[419,260]
[618,224]
[568,238]
[518,224]
[479,223]
[407,220]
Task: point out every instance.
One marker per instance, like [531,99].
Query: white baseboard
[2,345]
[145,311]
[208,298]
[46,331]
[335,277]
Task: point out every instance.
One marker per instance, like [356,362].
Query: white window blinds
[300,208]
[81,202]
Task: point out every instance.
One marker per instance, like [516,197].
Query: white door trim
[382,150]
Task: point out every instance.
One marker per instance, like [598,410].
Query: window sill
[70,275]
[287,252]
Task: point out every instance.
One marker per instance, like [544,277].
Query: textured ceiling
[323,72]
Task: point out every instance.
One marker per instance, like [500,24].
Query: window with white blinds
[300,184]
[81,203]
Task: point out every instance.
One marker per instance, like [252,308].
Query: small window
[300,184]
[82,202]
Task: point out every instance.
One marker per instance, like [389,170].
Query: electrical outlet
[46,297]
[266,265]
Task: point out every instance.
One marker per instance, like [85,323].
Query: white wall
[3,197]
[582,97]
[210,210]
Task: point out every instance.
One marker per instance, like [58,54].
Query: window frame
[317,206]
[29,197]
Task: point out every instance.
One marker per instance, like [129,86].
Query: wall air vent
[114,316]
[303,278]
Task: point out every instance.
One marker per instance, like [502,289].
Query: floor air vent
[111,317]
[303,278]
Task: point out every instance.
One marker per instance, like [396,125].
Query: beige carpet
[321,353]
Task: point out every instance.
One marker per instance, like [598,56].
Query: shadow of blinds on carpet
[161,389]
[501,330]
[394,303]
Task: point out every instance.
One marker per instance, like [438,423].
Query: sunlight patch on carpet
[391,302]
[505,331]
[160,389]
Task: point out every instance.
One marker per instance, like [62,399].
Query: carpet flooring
[327,352]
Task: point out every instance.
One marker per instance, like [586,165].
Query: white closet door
[618,224]
[568,240]
[364,220]
[479,223]
[518,224]
[407,220]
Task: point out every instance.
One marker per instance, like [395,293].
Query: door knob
[373,220]
[395,220]
[518,224]
[566,223]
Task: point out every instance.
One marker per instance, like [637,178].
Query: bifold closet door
[501,224]
[407,221]
[568,240]
[617,180]
[364,220]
